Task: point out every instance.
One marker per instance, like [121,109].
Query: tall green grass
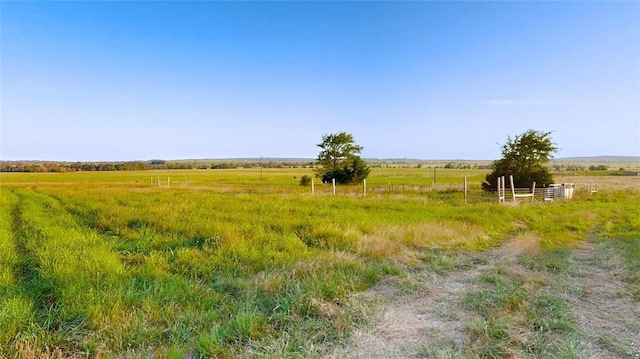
[16,306]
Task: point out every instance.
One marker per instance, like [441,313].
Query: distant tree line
[575,168]
[32,166]
[448,165]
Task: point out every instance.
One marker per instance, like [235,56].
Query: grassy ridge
[110,266]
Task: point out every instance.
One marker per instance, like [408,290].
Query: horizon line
[306,159]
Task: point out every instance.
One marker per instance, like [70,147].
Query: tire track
[39,290]
[431,323]
[606,314]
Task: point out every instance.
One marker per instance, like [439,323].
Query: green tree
[339,159]
[525,158]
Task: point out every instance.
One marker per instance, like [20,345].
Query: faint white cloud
[521,102]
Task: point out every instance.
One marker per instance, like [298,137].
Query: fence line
[544,194]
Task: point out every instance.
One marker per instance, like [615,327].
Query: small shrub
[305,180]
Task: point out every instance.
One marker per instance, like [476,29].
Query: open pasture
[239,176]
[247,263]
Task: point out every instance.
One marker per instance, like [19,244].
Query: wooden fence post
[513,189]
[504,188]
[465,189]
[533,191]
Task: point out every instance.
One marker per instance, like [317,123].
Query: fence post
[465,189]
[168,182]
[504,188]
[435,175]
[364,187]
[313,188]
[513,189]
[533,191]
[333,180]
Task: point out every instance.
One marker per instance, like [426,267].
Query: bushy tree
[339,159]
[524,157]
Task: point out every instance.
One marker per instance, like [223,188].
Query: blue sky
[432,80]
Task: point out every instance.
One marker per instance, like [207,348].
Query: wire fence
[469,193]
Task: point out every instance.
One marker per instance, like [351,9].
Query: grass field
[247,263]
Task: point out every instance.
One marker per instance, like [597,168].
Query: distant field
[287,179]
[247,263]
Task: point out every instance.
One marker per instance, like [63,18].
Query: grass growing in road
[518,317]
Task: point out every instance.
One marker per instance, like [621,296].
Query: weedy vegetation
[222,264]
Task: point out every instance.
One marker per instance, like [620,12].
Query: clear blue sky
[431,80]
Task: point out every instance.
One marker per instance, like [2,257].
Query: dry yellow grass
[376,246]
[528,242]
[400,242]
[605,183]
[386,241]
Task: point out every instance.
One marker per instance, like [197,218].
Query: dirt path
[605,312]
[409,323]
[430,323]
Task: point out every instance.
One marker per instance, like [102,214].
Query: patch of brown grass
[605,183]
[528,242]
[390,241]
[26,350]
[376,246]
